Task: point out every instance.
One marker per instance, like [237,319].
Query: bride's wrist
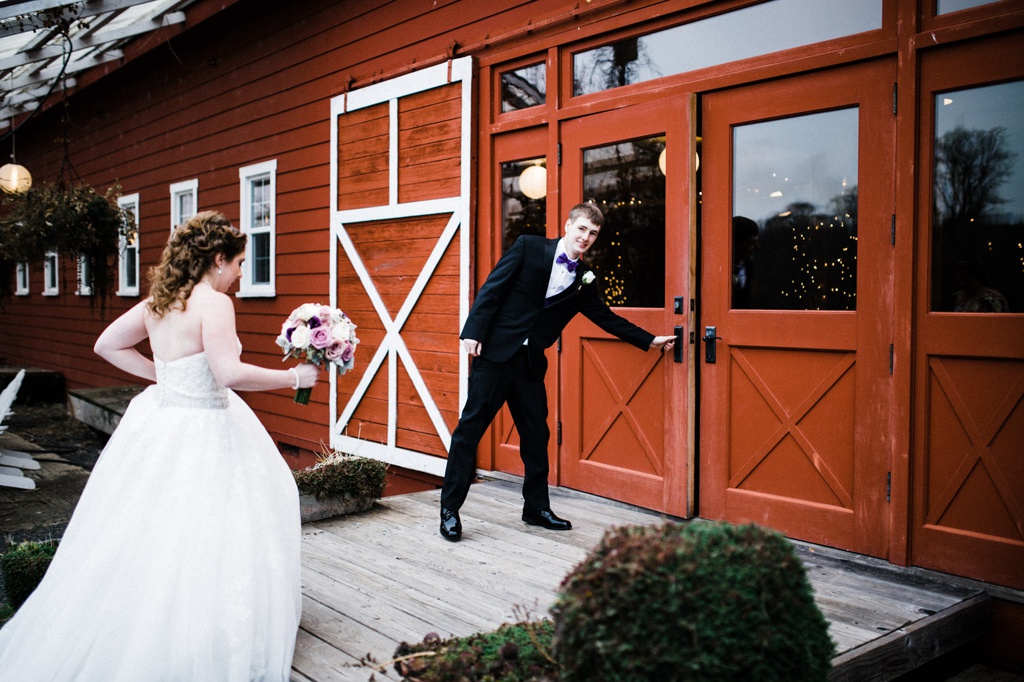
[295,374]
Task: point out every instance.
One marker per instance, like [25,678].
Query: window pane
[625,182]
[130,274]
[796,178]
[523,199]
[185,208]
[259,202]
[978,204]
[947,6]
[749,32]
[51,271]
[523,88]
[261,258]
[84,275]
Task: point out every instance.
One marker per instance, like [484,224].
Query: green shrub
[338,474]
[517,652]
[694,601]
[24,567]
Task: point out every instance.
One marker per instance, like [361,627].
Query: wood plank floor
[376,579]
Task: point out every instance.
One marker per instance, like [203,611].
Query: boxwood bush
[690,601]
[516,652]
[23,567]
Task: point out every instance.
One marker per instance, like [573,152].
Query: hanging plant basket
[70,219]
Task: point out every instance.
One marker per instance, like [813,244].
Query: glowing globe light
[533,182]
[14,178]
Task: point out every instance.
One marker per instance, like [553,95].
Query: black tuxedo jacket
[510,306]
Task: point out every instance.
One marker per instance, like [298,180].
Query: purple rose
[348,351]
[313,322]
[320,337]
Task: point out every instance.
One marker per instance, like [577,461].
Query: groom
[536,288]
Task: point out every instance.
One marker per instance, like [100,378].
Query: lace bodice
[188,382]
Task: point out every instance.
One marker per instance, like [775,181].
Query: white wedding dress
[181,561]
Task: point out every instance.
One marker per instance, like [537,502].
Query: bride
[181,561]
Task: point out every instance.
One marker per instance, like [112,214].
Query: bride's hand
[307,374]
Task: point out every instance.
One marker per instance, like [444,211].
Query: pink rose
[320,337]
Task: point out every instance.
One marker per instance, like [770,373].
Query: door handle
[710,340]
[677,349]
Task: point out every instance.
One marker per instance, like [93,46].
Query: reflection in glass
[947,6]
[796,178]
[628,257]
[978,197]
[741,34]
[523,88]
[520,214]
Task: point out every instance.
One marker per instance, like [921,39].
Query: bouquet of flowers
[320,335]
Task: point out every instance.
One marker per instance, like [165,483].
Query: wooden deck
[376,579]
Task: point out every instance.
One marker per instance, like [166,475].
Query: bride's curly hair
[189,254]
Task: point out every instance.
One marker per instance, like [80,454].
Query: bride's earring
[220,270]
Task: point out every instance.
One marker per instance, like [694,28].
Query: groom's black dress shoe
[451,526]
[545,518]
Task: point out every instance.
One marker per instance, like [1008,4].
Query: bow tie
[569,264]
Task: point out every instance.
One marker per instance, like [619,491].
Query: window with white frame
[21,280]
[128,250]
[84,276]
[259,218]
[51,273]
[184,201]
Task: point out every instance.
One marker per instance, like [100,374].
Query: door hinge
[559,433]
[892,230]
[888,486]
[892,358]
[895,98]
[559,154]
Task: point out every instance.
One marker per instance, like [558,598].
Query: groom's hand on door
[663,342]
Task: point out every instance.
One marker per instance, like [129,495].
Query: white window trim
[177,189]
[21,280]
[83,288]
[51,270]
[128,201]
[247,288]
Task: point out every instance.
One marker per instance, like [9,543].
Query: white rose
[300,337]
[306,311]
[588,277]
[339,332]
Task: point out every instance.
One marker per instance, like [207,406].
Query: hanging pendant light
[14,178]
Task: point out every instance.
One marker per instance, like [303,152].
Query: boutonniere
[589,277]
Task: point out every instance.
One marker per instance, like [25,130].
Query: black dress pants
[492,384]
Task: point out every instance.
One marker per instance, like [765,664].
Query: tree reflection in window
[626,183]
[796,177]
[523,88]
[978,201]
